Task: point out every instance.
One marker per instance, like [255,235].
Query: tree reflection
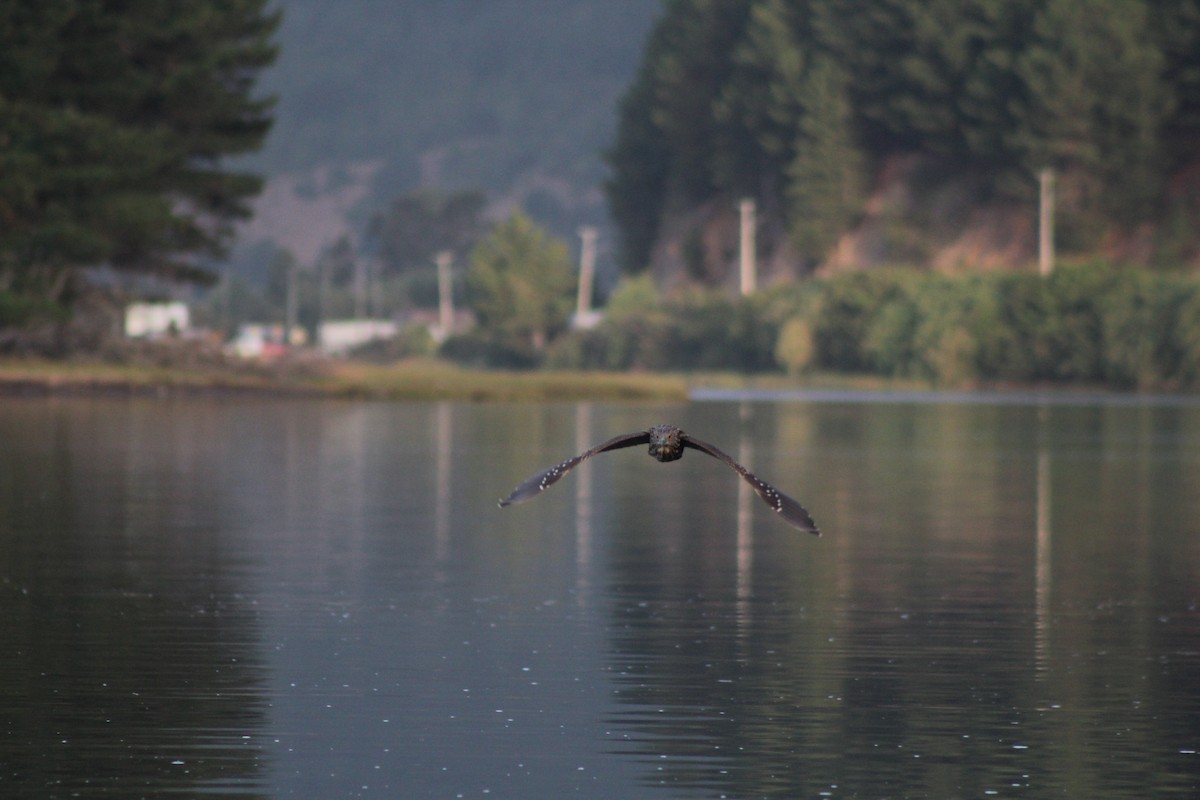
[923,647]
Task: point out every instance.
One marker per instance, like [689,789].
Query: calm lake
[267,598]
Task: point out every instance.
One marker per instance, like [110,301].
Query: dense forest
[812,106]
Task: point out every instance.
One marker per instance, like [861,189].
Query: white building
[151,320]
[339,337]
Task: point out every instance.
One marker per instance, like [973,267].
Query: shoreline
[418,379]
[428,379]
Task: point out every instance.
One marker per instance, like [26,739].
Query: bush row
[1091,324]
[697,331]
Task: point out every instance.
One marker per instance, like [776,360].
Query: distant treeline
[800,103]
[1085,325]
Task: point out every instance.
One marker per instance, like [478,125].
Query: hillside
[517,97]
[911,132]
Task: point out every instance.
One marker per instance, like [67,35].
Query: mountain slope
[516,97]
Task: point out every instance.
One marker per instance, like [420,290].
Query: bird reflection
[667,443]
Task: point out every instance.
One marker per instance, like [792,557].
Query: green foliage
[825,178]
[691,64]
[759,105]
[1093,100]
[632,296]
[1142,318]
[114,118]
[1095,324]
[520,285]
[20,309]
[639,165]
[666,129]
[945,342]
[703,330]
[232,301]
[794,101]
[796,348]
[843,315]
[1187,337]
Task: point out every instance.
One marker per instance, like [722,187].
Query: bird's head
[666,442]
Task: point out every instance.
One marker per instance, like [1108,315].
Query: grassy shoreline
[405,380]
[422,379]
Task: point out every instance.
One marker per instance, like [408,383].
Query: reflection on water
[131,659]
[315,599]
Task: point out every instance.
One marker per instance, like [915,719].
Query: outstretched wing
[792,512]
[547,477]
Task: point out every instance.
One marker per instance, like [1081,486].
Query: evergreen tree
[667,129]
[689,71]
[792,101]
[1093,104]
[760,104]
[115,118]
[640,166]
[1176,27]
[825,177]
[989,39]
[924,75]
[876,42]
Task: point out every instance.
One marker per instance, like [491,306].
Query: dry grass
[406,380]
[38,376]
[432,380]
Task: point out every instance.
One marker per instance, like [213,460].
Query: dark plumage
[667,443]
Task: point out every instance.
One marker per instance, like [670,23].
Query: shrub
[843,314]
[889,336]
[1092,323]
[1187,338]
[1143,345]
[796,346]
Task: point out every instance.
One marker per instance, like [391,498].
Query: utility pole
[360,288]
[374,284]
[226,289]
[749,277]
[1046,222]
[587,271]
[325,277]
[445,288]
[291,302]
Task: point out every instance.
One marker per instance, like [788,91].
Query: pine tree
[792,101]
[759,105]
[640,166]
[826,175]
[1176,26]
[1093,103]
[667,131]
[689,71]
[115,120]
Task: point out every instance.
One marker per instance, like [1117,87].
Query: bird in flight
[667,443]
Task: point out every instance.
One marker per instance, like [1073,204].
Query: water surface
[275,598]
